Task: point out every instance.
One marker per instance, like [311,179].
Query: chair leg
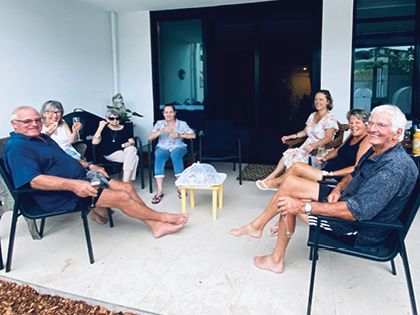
[87,234]
[111,221]
[404,257]
[240,163]
[12,238]
[393,270]
[141,169]
[150,167]
[41,229]
[314,259]
[1,259]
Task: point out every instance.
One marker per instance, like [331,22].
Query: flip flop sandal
[180,195]
[156,199]
[265,187]
[273,231]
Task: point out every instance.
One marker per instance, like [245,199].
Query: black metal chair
[116,167]
[394,244]
[25,205]
[218,142]
[189,157]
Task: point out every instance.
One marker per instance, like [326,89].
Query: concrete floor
[202,269]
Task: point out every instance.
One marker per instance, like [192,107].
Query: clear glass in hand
[95,184]
[321,150]
[77,124]
[288,234]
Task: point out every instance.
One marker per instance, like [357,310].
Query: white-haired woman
[117,144]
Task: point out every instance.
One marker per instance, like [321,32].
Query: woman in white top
[54,125]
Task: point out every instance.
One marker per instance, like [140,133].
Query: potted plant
[125,113]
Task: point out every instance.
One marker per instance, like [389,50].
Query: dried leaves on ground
[21,299]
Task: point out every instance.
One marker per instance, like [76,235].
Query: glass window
[384,54]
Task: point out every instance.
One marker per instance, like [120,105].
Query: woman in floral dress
[320,128]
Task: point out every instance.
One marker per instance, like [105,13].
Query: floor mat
[254,172]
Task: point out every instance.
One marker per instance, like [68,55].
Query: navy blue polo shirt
[28,157]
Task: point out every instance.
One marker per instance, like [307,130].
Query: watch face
[308,207]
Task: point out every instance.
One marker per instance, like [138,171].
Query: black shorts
[324,191]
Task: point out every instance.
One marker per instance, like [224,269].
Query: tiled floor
[202,269]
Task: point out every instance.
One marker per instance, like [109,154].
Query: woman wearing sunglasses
[117,144]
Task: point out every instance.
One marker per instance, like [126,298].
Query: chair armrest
[294,142]
[327,178]
[138,143]
[393,226]
[201,133]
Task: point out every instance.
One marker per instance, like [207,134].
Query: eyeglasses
[379,126]
[52,112]
[29,121]
[114,118]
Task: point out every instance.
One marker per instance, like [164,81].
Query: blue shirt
[168,143]
[379,191]
[28,157]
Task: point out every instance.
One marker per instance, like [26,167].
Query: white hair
[398,119]
[18,109]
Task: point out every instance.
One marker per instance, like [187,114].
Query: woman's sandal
[156,199]
[273,231]
[180,195]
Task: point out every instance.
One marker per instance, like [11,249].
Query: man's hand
[334,195]
[289,205]
[99,169]
[83,189]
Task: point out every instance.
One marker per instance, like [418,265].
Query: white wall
[135,68]
[54,49]
[336,53]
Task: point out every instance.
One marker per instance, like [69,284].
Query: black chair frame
[100,160]
[151,159]
[394,244]
[26,206]
[208,157]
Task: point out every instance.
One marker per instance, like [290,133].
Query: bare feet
[274,230]
[98,218]
[161,229]
[246,230]
[175,218]
[266,263]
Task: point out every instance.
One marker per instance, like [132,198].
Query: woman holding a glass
[54,126]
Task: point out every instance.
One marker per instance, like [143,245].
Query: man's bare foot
[98,218]
[161,229]
[266,263]
[175,218]
[246,230]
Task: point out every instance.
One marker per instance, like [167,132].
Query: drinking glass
[321,150]
[77,124]
[95,184]
[288,234]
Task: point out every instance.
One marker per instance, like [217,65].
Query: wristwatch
[88,166]
[308,208]
[183,135]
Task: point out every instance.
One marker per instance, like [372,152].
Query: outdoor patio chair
[218,142]
[116,167]
[26,206]
[189,158]
[394,244]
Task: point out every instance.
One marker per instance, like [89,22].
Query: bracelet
[88,166]
[96,137]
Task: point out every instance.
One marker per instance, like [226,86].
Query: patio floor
[202,269]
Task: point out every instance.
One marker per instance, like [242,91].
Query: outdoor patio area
[202,269]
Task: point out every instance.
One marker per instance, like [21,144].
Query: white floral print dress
[315,133]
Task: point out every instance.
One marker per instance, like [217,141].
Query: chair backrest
[8,180]
[338,137]
[219,135]
[408,214]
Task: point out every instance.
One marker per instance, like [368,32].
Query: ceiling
[155,5]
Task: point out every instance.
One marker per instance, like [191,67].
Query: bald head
[26,121]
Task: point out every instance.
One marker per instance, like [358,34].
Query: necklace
[113,135]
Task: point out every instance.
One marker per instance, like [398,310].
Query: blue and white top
[167,143]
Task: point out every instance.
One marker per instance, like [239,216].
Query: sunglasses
[114,118]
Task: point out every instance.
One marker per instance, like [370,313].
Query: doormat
[254,172]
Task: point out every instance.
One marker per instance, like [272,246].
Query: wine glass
[77,124]
[95,184]
[321,150]
[288,234]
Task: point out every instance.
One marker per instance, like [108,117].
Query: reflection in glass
[383,75]
[181,62]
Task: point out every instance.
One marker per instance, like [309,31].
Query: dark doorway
[261,65]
